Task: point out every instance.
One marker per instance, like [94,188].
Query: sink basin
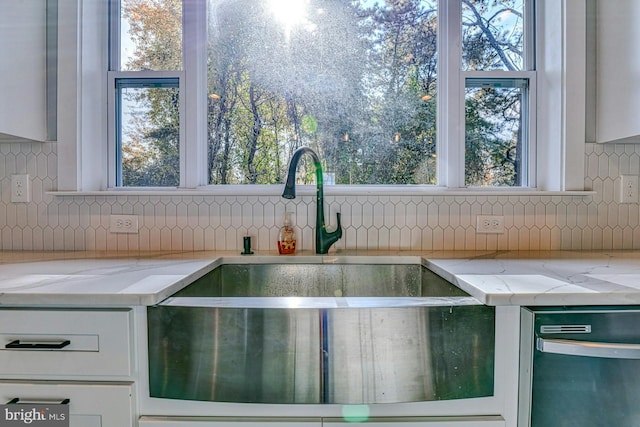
[321,280]
[318,333]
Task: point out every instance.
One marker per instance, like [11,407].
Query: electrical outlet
[123,223]
[490,224]
[20,189]
[628,189]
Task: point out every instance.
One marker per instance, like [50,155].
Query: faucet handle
[338,231]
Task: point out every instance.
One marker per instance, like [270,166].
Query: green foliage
[150,146]
[155,28]
[354,80]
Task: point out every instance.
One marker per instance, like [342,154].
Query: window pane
[148,133]
[354,80]
[495,132]
[151,35]
[492,35]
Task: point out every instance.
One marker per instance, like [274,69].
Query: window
[496,137]
[146,117]
[378,88]
[147,142]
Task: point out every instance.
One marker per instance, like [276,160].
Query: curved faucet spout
[324,239]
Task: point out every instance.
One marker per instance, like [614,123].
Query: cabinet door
[90,405]
[618,61]
[225,422]
[23,70]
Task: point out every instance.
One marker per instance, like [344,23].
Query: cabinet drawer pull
[16,400]
[38,345]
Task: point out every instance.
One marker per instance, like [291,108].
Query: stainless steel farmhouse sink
[317,333]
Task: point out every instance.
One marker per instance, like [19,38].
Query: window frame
[557,23]
[528,118]
[452,78]
[114,130]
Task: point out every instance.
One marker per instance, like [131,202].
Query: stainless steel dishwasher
[580,366]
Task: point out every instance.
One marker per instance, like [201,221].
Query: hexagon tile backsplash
[424,222]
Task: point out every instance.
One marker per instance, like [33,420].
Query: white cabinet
[618,61]
[224,422]
[85,356]
[90,405]
[23,72]
[487,421]
[65,344]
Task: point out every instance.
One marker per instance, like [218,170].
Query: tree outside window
[355,80]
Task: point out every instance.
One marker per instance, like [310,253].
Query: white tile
[374,241]
[237,216]
[367,215]
[263,240]
[144,242]
[362,237]
[350,238]
[404,237]
[210,239]
[193,221]
[416,238]
[165,239]
[356,214]
[470,241]
[391,215]
[225,215]
[171,215]
[437,238]
[233,239]
[387,239]
[187,239]
[378,215]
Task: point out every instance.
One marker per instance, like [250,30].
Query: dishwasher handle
[588,349]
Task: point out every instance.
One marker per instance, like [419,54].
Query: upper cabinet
[25,60]
[618,71]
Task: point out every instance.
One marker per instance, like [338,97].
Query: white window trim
[195,60]
[82,95]
[561,94]
[451,79]
[450,167]
[82,139]
[111,117]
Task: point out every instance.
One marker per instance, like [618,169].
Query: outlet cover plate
[20,189]
[490,224]
[628,189]
[123,224]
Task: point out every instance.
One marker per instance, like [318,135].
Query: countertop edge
[494,278]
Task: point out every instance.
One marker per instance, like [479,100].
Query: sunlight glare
[289,12]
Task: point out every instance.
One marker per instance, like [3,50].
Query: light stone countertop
[108,279]
[545,278]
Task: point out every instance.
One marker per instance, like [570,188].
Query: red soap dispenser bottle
[286,237]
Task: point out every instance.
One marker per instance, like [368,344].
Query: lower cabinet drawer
[65,344]
[479,421]
[466,421]
[225,422]
[90,405]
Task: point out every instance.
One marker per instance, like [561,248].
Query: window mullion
[114,36]
[194,137]
[530,35]
[451,92]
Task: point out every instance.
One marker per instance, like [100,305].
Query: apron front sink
[345,333]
